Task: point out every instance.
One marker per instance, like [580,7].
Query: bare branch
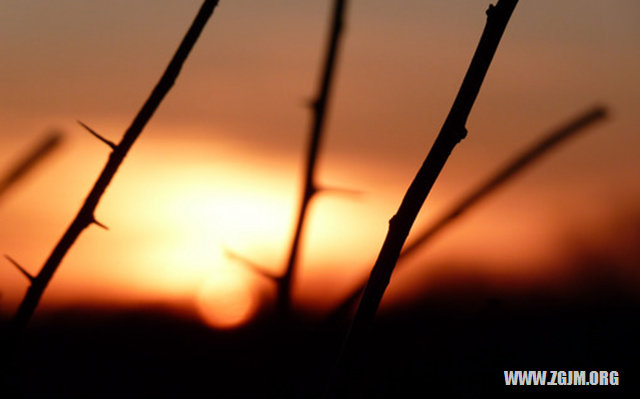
[452,131]
[511,169]
[84,217]
[319,108]
[533,153]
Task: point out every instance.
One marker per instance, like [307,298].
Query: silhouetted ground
[447,343]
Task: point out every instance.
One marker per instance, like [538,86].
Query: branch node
[98,136]
[21,269]
[313,104]
[462,133]
[311,190]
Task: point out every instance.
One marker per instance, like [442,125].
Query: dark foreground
[451,343]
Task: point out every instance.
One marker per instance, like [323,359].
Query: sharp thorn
[20,268]
[256,268]
[340,190]
[98,136]
[94,221]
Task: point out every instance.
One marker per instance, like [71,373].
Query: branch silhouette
[511,169]
[452,131]
[30,160]
[85,215]
[310,187]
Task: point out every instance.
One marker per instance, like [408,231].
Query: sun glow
[225,299]
[194,215]
[208,222]
[173,217]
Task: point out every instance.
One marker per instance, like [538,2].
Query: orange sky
[220,163]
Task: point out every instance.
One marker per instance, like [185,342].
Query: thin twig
[452,131]
[41,150]
[511,169]
[85,215]
[310,188]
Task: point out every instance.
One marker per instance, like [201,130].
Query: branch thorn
[98,136]
[255,267]
[99,224]
[340,190]
[21,269]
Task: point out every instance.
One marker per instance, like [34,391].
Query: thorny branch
[85,215]
[452,131]
[310,188]
[497,180]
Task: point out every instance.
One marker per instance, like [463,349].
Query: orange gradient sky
[220,164]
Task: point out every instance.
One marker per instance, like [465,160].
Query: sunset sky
[220,164]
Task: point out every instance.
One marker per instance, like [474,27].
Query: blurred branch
[511,169]
[340,190]
[32,158]
[85,215]
[310,188]
[452,131]
[251,265]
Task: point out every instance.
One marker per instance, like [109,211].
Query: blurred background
[220,164]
